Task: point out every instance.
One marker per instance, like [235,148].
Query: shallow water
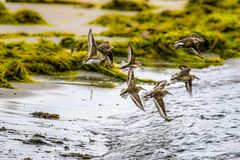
[68,18]
[205,126]
[61,18]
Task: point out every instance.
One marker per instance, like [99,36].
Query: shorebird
[131,59]
[157,94]
[92,50]
[106,50]
[133,90]
[186,77]
[191,43]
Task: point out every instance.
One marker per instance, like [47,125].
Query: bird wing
[189,87]
[130,78]
[124,94]
[110,55]
[147,96]
[158,100]
[196,38]
[92,60]
[179,42]
[101,47]
[109,61]
[136,99]
[92,49]
[174,76]
[161,84]
[194,50]
[109,58]
[131,57]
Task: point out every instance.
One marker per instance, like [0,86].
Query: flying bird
[186,77]
[192,43]
[106,50]
[131,59]
[133,90]
[92,50]
[157,94]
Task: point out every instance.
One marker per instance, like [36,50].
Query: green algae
[14,71]
[45,115]
[153,33]
[127,5]
[2,7]
[37,35]
[26,16]
[21,59]
[6,17]
[77,155]
[68,42]
[5,84]
[69,2]
[22,16]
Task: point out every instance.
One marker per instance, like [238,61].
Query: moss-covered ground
[67,2]
[152,34]
[127,5]
[22,16]
[37,35]
[19,60]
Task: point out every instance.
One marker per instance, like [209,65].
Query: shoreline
[26,89]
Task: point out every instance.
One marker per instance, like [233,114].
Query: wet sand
[26,89]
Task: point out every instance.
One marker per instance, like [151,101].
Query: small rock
[66,148]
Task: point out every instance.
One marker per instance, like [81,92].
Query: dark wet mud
[95,122]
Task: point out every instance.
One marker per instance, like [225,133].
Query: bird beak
[198,78]
[143,89]
[170,93]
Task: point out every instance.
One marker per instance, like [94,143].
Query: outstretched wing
[160,106]
[196,37]
[189,87]
[109,58]
[92,60]
[147,96]
[124,94]
[130,78]
[161,84]
[194,50]
[131,57]
[136,99]
[92,48]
